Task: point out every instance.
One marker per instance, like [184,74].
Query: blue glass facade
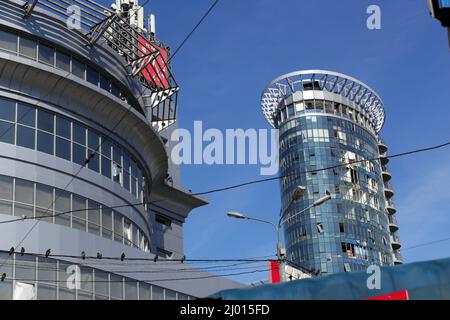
[328,143]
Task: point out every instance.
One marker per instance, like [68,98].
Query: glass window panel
[105,83]
[45,121]
[157,293]
[25,137]
[93,140]
[117,154]
[144,291]
[101,283]
[8,41]
[126,180]
[7,109]
[26,115]
[47,271]
[46,54]
[94,162]
[79,213]
[115,90]
[106,167]
[23,210]
[62,61]
[130,289]
[94,217]
[7,130]
[6,267]
[171,295]
[63,148]
[25,268]
[107,223]
[126,162]
[79,154]
[62,127]
[106,147]
[44,199]
[78,68]
[81,295]
[27,47]
[46,292]
[92,75]
[65,271]
[86,278]
[45,142]
[6,207]
[116,286]
[79,134]
[118,229]
[127,232]
[24,191]
[62,205]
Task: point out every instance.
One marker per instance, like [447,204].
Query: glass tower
[329,140]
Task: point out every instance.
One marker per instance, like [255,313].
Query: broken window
[320,227]
[341,227]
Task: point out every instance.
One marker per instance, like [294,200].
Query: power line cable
[241,184]
[425,244]
[194,29]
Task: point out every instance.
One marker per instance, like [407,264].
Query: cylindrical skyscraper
[329,140]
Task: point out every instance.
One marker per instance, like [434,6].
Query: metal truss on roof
[333,82]
[147,58]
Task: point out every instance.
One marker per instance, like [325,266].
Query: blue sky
[243,45]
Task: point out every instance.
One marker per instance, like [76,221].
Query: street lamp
[296,194]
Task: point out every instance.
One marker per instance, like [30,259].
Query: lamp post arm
[282,221]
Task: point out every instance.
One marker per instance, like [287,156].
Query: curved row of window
[50,279]
[23,198]
[323,106]
[27,47]
[39,129]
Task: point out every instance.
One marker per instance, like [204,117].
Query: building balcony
[395,242]
[386,175]
[390,207]
[393,225]
[388,192]
[384,159]
[397,257]
[382,147]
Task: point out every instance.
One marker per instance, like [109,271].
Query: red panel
[157,71]
[399,295]
[274,271]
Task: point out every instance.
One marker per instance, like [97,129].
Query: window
[105,84]
[79,154]
[7,131]
[27,47]
[127,232]
[320,228]
[157,293]
[101,283]
[63,148]
[86,284]
[79,213]
[62,61]
[347,267]
[7,110]
[92,76]
[25,137]
[145,292]
[107,223]
[6,195]
[45,142]
[45,121]
[44,202]
[26,115]
[62,127]
[24,197]
[78,68]
[46,54]
[106,167]
[79,134]
[62,205]
[171,295]
[118,228]
[116,286]
[341,227]
[130,289]
[8,41]
[94,218]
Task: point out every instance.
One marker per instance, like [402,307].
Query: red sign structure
[274,271]
[157,70]
[399,295]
